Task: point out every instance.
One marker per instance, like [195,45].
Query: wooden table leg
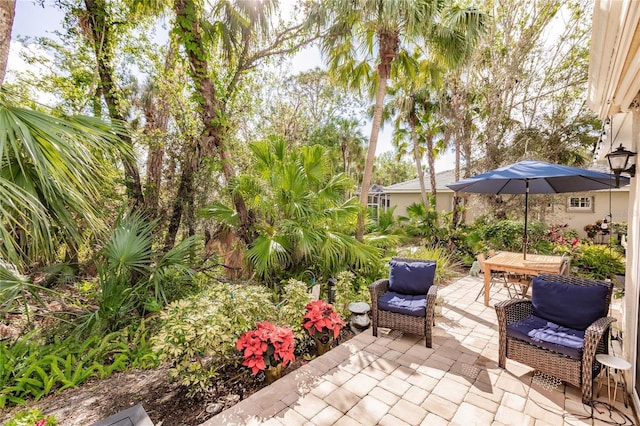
[487,282]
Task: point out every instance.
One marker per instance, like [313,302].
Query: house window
[577,204]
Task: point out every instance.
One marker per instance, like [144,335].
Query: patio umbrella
[536,177]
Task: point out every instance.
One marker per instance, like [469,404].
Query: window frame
[581,207]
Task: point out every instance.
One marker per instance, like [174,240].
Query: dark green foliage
[133,277]
[508,235]
[598,261]
[424,223]
[302,221]
[31,370]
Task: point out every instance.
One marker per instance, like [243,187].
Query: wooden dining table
[506,261]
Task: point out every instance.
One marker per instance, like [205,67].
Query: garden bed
[165,402]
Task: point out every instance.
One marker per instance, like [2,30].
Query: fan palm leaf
[60,165]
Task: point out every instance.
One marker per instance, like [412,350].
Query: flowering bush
[266,346]
[565,241]
[321,320]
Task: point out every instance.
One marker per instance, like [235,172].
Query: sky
[34,20]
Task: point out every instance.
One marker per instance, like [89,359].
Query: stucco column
[632,278]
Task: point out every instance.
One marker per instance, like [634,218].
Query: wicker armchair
[420,325]
[578,370]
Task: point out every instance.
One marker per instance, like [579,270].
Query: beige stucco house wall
[559,210]
[602,203]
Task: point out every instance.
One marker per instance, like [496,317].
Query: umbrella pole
[526,215]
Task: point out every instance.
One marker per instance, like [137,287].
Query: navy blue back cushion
[569,305]
[411,277]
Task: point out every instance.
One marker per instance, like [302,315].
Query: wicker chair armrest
[432,295]
[513,310]
[377,289]
[593,334]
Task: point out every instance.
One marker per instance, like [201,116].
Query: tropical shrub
[52,175]
[31,369]
[133,278]
[565,241]
[598,261]
[423,223]
[383,231]
[199,334]
[302,221]
[33,417]
[295,297]
[507,235]
[349,289]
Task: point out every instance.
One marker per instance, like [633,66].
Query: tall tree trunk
[7,12]
[455,219]
[156,112]
[418,158]
[100,37]
[431,160]
[211,110]
[457,134]
[184,194]
[371,155]
[389,42]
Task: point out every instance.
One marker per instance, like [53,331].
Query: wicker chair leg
[375,330]
[587,392]
[587,384]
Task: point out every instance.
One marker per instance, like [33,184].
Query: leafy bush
[423,223]
[445,261]
[598,261]
[198,334]
[30,418]
[291,310]
[30,369]
[508,235]
[348,290]
[133,278]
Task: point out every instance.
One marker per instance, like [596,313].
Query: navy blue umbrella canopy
[540,177]
[536,177]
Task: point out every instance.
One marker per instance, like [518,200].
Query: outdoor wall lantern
[619,162]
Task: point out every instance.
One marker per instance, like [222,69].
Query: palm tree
[302,218]
[358,28]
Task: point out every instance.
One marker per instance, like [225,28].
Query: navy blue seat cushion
[411,277]
[543,333]
[569,305]
[415,305]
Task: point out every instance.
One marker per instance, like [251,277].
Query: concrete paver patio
[395,380]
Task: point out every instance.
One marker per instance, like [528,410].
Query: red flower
[266,346]
[321,319]
[41,422]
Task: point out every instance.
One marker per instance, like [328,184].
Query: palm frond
[268,254]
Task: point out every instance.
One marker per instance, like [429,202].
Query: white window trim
[589,209]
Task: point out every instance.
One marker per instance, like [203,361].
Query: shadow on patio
[395,380]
